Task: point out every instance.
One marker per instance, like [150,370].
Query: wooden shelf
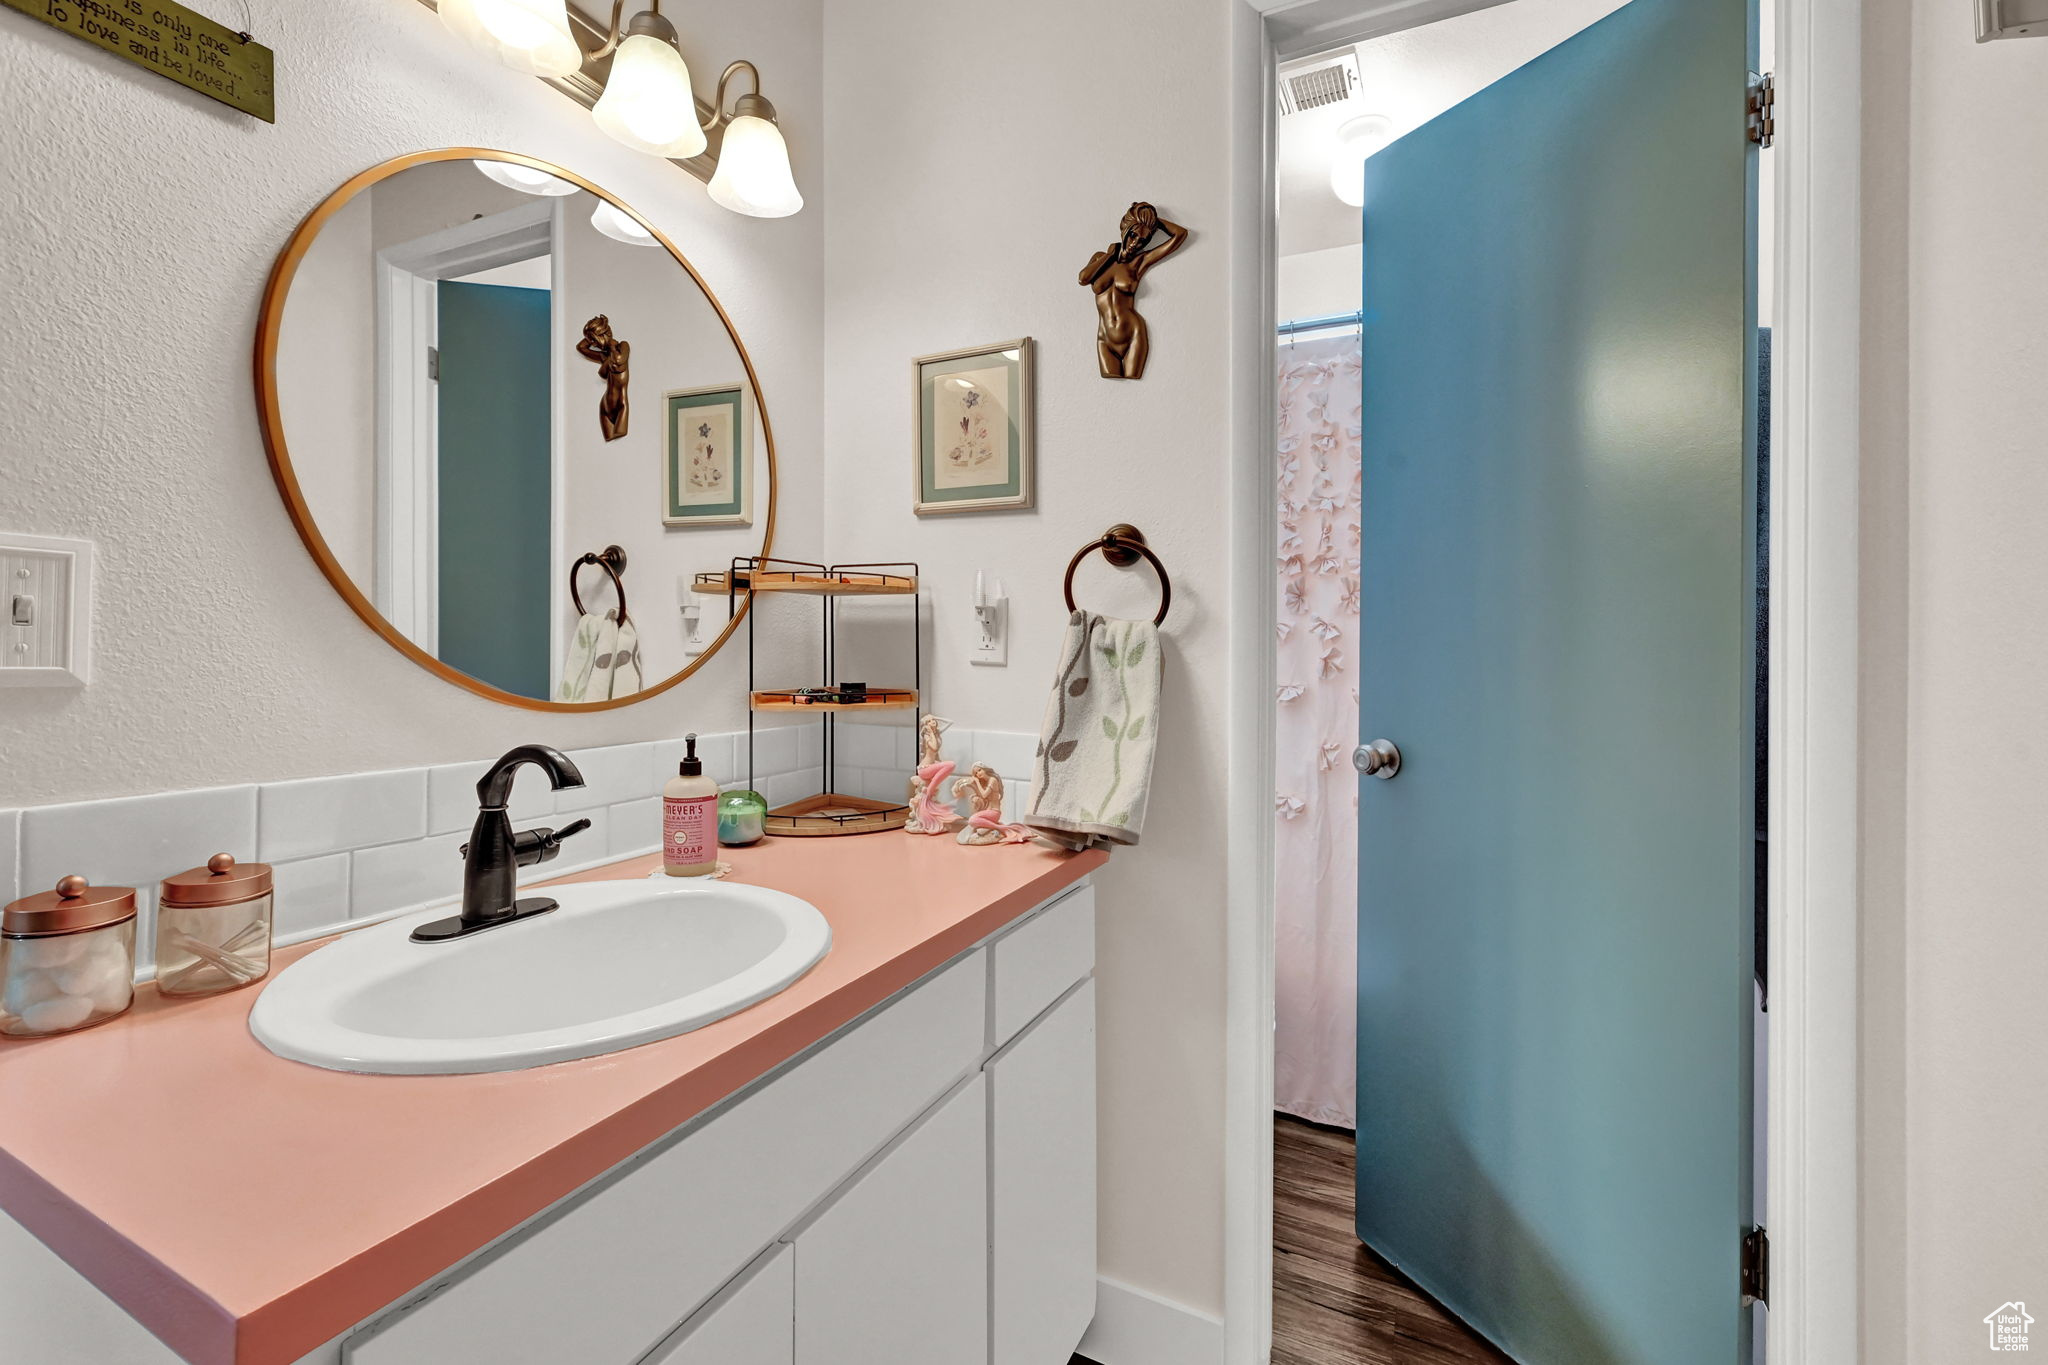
[879,699]
[847,584]
[832,813]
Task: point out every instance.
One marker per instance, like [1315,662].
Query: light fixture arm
[617,32]
[752,102]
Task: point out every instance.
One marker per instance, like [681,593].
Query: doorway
[1334,99]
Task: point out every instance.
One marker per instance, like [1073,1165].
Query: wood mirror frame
[271,417]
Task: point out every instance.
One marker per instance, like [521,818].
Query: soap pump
[689,818]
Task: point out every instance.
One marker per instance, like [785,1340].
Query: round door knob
[1377,759]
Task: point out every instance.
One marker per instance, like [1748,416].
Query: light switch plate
[53,648]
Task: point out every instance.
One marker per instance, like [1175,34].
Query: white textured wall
[966,197]
[140,229]
[1975,941]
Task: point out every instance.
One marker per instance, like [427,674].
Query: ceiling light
[647,102]
[753,162]
[619,225]
[1356,141]
[525,179]
[526,35]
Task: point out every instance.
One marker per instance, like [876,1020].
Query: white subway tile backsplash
[592,845]
[621,772]
[333,814]
[399,876]
[876,784]
[452,800]
[635,827]
[10,854]
[775,752]
[350,847]
[312,894]
[865,746]
[1005,751]
[136,840]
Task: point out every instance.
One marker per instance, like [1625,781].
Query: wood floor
[1334,1302]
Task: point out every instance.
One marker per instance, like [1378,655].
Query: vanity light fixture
[527,35]
[753,174]
[620,227]
[645,100]
[1357,140]
[525,179]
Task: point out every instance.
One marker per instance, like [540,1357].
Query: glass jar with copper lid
[67,958]
[213,927]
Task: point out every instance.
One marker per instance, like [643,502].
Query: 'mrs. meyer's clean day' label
[689,829]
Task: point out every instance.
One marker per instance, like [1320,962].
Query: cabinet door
[1042,1181]
[895,1272]
[750,1322]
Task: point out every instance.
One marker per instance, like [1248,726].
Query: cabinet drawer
[621,1265]
[751,1322]
[1035,963]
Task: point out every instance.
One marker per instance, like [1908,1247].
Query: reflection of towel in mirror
[584,678]
[1093,772]
[624,663]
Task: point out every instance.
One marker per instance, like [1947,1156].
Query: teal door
[1554,907]
[495,485]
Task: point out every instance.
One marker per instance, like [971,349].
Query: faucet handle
[530,846]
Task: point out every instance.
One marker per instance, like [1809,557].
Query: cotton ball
[113,994]
[49,952]
[28,988]
[54,1016]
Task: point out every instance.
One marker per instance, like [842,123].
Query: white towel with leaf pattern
[1093,771]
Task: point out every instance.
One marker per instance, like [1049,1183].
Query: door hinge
[434,362]
[1763,109]
[1756,1267]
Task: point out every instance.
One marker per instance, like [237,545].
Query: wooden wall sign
[167,38]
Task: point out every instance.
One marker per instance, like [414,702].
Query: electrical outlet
[991,626]
[697,632]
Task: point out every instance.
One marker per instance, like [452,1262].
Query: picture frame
[975,449]
[707,454]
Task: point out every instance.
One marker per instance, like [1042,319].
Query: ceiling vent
[1319,82]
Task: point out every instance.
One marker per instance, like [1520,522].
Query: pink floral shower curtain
[1316,800]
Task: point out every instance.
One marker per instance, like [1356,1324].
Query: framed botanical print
[706,473]
[974,439]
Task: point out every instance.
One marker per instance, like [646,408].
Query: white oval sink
[619,964]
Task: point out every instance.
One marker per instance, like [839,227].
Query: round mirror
[510,420]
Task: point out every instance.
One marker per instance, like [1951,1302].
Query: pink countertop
[247,1209]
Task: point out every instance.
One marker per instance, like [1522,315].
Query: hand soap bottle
[689,819]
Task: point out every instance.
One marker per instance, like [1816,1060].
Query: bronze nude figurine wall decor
[1121,339]
[613,358]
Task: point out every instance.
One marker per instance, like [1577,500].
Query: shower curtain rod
[1288,329]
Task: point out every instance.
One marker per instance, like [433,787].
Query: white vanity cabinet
[919,1189]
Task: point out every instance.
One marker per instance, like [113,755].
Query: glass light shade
[1356,141]
[753,171]
[620,227]
[527,35]
[647,102]
[525,179]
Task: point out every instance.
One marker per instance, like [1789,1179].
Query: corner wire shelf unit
[830,811]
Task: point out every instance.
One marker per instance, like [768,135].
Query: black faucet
[494,853]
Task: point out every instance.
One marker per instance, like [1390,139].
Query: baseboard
[1132,1327]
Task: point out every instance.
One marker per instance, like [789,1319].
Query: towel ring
[613,562]
[1123,545]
